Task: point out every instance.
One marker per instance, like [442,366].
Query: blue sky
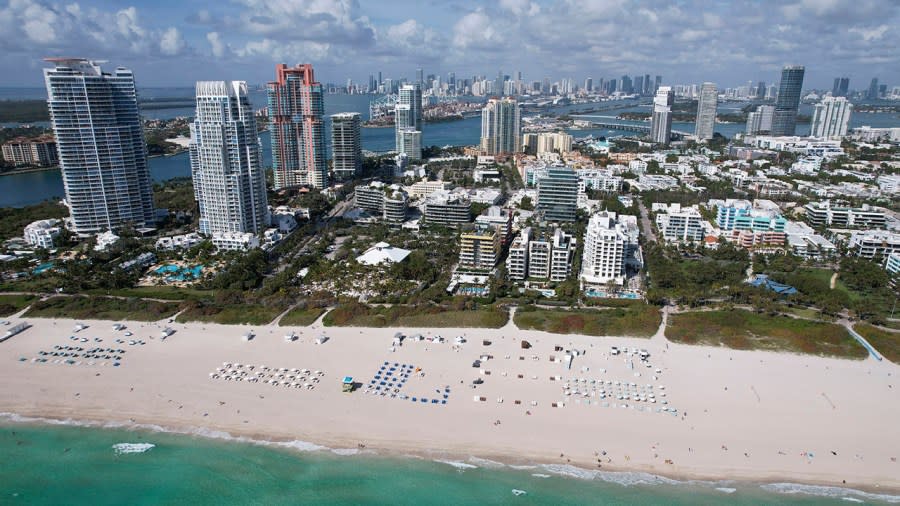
[174,43]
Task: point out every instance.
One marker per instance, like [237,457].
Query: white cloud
[171,43]
[216,44]
[870,34]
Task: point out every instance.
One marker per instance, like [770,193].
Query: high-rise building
[760,121]
[296,107]
[589,85]
[420,77]
[761,90]
[647,84]
[607,245]
[872,94]
[226,162]
[661,119]
[658,83]
[788,102]
[841,87]
[500,129]
[346,148]
[706,112]
[100,141]
[408,114]
[410,144]
[558,194]
[639,84]
[831,117]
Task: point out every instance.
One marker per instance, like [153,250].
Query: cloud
[37,26]
[217,45]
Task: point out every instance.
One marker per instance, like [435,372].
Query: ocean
[70,464]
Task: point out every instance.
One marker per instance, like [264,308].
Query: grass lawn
[102,308]
[11,304]
[745,330]
[887,343]
[357,315]
[158,292]
[301,317]
[637,320]
[252,314]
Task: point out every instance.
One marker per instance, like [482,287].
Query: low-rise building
[183,241]
[804,242]
[105,240]
[42,233]
[389,202]
[823,214]
[425,188]
[875,244]
[446,208]
[141,261]
[382,252]
[234,241]
[678,223]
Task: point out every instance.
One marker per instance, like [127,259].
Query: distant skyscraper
[760,121]
[346,149]
[873,89]
[841,87]
[500,129]
[647,84]
[785,120]
[226,163]
[588,85]
[296,106]
[408,114]
[761,90]
[100,141]
[420,77]
[639,84]
[661,118]
[706,112]
[658,83]
[831,117]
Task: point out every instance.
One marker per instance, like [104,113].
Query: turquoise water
[180,273]
[78,465]
[43,267]
[602,295]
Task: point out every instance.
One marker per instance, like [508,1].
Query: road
[646,226]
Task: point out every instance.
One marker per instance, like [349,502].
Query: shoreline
[624,476]
[15,172]
[783,416]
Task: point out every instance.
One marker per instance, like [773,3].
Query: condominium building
[823,214]
[446,208]
[680,224]
[425,187]
[537,255]
[875,244]
[784,121]
[760,121]
[706,112]
[661,118]
[517,259]
[735,214]
[500,128]
[100,142]
[892,264]
[235,241]
[546,142]
[558,194]
[479,249]
[389,202]
[226,163]
[831,117]
[42,233]
[40,151]
[408,118]
[607,244]
[346,147]
[410,143]
[296,106]
[501,218]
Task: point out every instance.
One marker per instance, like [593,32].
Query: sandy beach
[756,416]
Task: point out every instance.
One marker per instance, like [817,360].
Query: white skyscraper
[346,148]
[226,165]
[410,143]
[661,120]
[408,113]
[100,140]
[500,129]
[706,112]
[760,120]
[831,117]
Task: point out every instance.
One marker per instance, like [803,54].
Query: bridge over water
[629,127]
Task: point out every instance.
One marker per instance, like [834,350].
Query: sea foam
[622,478]
[456,464]
[835,492]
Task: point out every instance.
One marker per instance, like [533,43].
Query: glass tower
[788,102]
[100,140]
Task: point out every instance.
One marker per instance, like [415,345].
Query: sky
[177,42]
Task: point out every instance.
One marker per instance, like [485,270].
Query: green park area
[887,343]
[11,304]
[353,314]
[229,314]
[301,316]
[746,330]
[636,320]
[102,308]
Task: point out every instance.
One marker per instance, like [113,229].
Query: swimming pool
[603,295]
[42,268]
[176,273]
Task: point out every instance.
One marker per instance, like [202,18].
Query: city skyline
[176,44]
